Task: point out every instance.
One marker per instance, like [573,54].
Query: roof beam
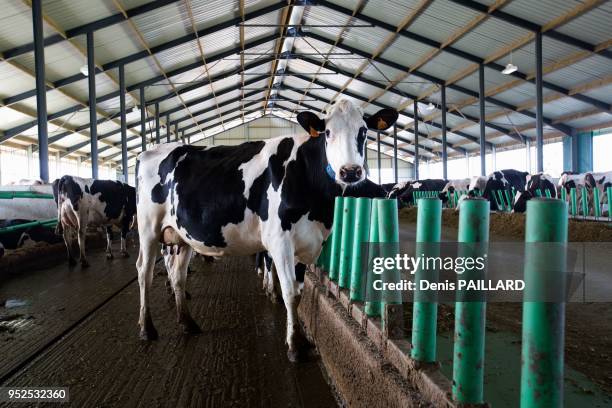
[563,128]
[154,50]
[85,28]
[465,55]
[547,29]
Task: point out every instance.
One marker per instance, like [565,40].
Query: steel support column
[41,90]
[143,119]
[539,105]
[93,125]
[176,132]
[124,154]
[378,156]
[157,135]
[443,124]
[167,128]
[481,105]
[416,140]
[395,169]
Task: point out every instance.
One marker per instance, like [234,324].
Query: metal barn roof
[211,65]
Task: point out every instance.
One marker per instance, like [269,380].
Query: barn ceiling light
[510,68]
[430,107]
[84,70]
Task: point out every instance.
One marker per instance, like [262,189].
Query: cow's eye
[327,133]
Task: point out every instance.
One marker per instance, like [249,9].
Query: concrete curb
[367,369]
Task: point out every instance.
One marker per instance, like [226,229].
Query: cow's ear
[383,119]
[311,123]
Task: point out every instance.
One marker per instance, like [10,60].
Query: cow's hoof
[295,356]
[190,326]
[109,255]
[124,254]
[148,333]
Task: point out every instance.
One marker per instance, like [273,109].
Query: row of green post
[363,220]
[585,206]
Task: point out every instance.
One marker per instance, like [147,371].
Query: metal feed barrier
[340,266]
[593,209]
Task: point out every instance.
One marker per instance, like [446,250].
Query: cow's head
[344,130]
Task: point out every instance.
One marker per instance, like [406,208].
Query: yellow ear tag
[381,124]
[313,132]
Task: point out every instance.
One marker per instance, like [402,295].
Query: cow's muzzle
[351,173]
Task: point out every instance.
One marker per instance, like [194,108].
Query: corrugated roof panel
[380,73]
[16,25]
[10,118]
[514,119]
[594,120]
[490,36]
[56,101]
[69,14]
[140,70]
[112,43]
[328,18]
[229,38]
[175,20]
[393,100]
[592,27]
[552,52]
[406,52]
[71,139]
[563,106]
[178,56]
[540,12]
[603,93]
[444,66]
[519,94]
[587,70]
[14,81]
[61,60]
[390,11]
[312,47]
[441,20]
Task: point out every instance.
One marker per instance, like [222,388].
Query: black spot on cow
[504,180]
[361,137]
[366,188]
[116,195]
[258,197]
[210,188]
[308,189]
[71,189]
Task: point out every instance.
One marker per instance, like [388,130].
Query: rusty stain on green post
[334,261]
[372,307]
[425,313]
[543,321]
[469,350]
[346,242]
[360,238]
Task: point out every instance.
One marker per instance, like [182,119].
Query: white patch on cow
[478,182]
[343,123]
[416,185]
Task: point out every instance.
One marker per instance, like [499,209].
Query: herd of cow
[272,197]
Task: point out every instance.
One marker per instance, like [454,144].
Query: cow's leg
[283,257]
[82,232]
[68,242]
[145,265]
[271,286]
[109,240]
[125,227]
[178,276]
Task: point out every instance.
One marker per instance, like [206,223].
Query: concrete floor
[78,329]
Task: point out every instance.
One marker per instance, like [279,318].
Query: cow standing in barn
[275,195]
[451,187]
[501,180]
[404,192]
[87,202]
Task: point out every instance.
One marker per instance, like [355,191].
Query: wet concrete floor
[78,328]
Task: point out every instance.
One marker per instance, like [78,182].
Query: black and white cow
[404,192]
[87,202]
[589,180]
[24,237]
[504,180]
[539,181]
[275,195]
[451,186]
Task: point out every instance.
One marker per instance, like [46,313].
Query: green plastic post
[44,223]
[563,194]
[469,350]
[573,200]
[323,260]
[596,203]
[609,193]
[346,242]
[508,201]
[543,321]
[584,199]
[425,313]
[455,199]
[372,307]
[9,195]
[360,236]
[548,195]
[388,234]
[334,262]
